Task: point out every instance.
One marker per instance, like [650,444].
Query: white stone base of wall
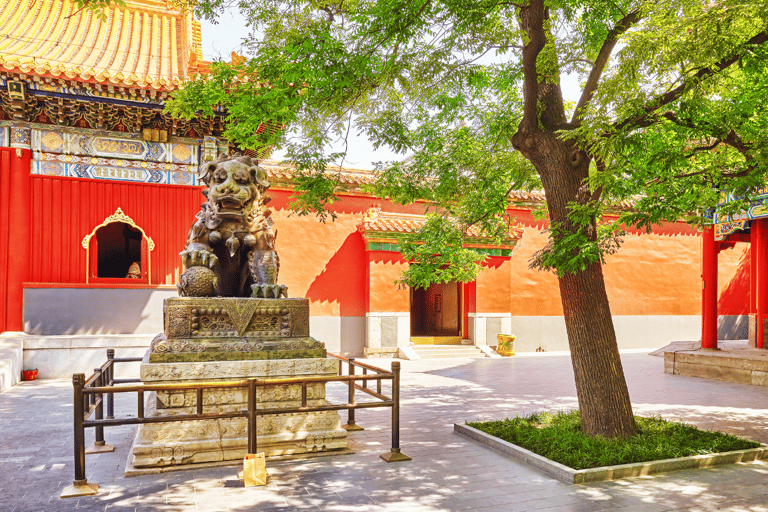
[547,333]
[483,327]
[386,332]
[11,359]
[342,335]
[61,356]
[95,311]
[374,334]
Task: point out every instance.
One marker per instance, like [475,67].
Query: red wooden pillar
[753,243]
[14,234]
[760,251]
[752,273]
[709,290]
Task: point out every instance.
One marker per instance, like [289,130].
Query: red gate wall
[65,210]
[14,224]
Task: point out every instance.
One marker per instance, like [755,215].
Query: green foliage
[437,255]
[558,437]
[678,113]
[571,251]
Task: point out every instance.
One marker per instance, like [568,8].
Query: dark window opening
[119,247]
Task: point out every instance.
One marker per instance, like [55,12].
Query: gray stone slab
[36,422]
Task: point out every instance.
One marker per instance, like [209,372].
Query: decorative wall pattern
[51,164]
[128,146]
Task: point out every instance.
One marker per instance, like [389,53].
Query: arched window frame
[91,247]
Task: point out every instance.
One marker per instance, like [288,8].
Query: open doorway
[436,314]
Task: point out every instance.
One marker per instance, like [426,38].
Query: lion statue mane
[230,249]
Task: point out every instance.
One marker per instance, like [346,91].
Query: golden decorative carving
[118,216]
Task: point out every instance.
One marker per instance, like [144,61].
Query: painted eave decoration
[146,44]
[727,225]
[382,229]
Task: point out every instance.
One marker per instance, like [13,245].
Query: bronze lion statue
[230,249]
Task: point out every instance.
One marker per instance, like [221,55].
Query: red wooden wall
[65,210]
[14,225]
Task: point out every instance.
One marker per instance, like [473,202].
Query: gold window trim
[118,216]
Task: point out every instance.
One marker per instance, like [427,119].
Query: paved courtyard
[448,472]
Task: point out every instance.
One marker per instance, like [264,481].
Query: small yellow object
[254,470]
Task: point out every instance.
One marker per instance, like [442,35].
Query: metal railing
[89,400]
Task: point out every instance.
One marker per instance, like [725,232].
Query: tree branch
[673,94]
[739,174]
[532,23]
[603,55]
[400,29]
[693,151]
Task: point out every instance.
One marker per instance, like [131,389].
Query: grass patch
[559,437]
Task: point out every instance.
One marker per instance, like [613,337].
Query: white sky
[220,40]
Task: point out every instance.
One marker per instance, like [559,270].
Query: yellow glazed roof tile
[147,43]
[375,221]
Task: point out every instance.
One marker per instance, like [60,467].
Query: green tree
[671,111]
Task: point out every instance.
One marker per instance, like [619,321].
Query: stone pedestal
[215,339]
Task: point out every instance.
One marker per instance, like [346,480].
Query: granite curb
[582,476]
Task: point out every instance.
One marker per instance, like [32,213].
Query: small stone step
[447,351]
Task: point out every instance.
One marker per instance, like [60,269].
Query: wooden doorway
[436,314]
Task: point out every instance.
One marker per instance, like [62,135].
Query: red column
[709,290]
[752,274]
[760,251]
[14,233]
[752,283]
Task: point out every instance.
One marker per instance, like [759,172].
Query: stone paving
[448,471]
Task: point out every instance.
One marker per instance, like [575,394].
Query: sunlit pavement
[448,472]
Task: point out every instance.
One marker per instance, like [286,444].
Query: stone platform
[209,339]
[205,441]
[733,361]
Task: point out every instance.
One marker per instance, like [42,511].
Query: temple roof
[147,43]
[376,224]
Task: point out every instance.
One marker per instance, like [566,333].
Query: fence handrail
[88,400]
[232,383]
[352,361]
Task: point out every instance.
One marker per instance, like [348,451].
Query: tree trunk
[600,385]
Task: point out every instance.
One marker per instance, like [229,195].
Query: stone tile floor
[448,472]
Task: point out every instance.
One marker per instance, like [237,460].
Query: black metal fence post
[253,443]
[99,446]
[351,426]
[110,383]
[395,455]
[80,485]
[99,407]
[78,381]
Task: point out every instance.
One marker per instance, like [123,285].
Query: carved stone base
[192,442]
[234,329]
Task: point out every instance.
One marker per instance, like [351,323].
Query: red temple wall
[532,292]
[65,210]
[383,294]
[655,275]
[652,274]
[14,232]
[733,280]
[493,286]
